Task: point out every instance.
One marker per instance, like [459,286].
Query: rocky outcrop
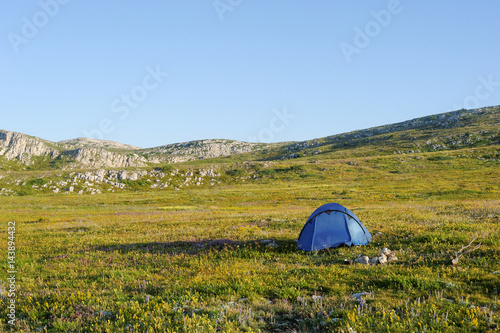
[201,149]
[23,147]
[98,158]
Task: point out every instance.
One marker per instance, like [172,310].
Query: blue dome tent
[332,225]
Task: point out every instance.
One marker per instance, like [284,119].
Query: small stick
[460,252]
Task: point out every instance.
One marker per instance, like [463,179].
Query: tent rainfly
[332,225]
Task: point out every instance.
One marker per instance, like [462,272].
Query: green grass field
[196,259]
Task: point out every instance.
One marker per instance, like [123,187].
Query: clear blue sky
[73,67]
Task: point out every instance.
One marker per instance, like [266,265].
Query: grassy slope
[89,262]
[448,131]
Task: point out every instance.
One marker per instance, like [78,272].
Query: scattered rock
[382,260]
[390,255]
[362,259]
[385,255]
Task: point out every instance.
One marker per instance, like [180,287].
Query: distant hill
[446,131]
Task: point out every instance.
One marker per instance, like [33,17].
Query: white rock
[362,259]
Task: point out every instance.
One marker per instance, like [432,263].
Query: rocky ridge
[92,153]
[95,143]
[431,133]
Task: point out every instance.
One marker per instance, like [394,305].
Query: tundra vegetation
[218,254]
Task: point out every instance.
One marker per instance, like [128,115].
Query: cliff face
[22,147]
